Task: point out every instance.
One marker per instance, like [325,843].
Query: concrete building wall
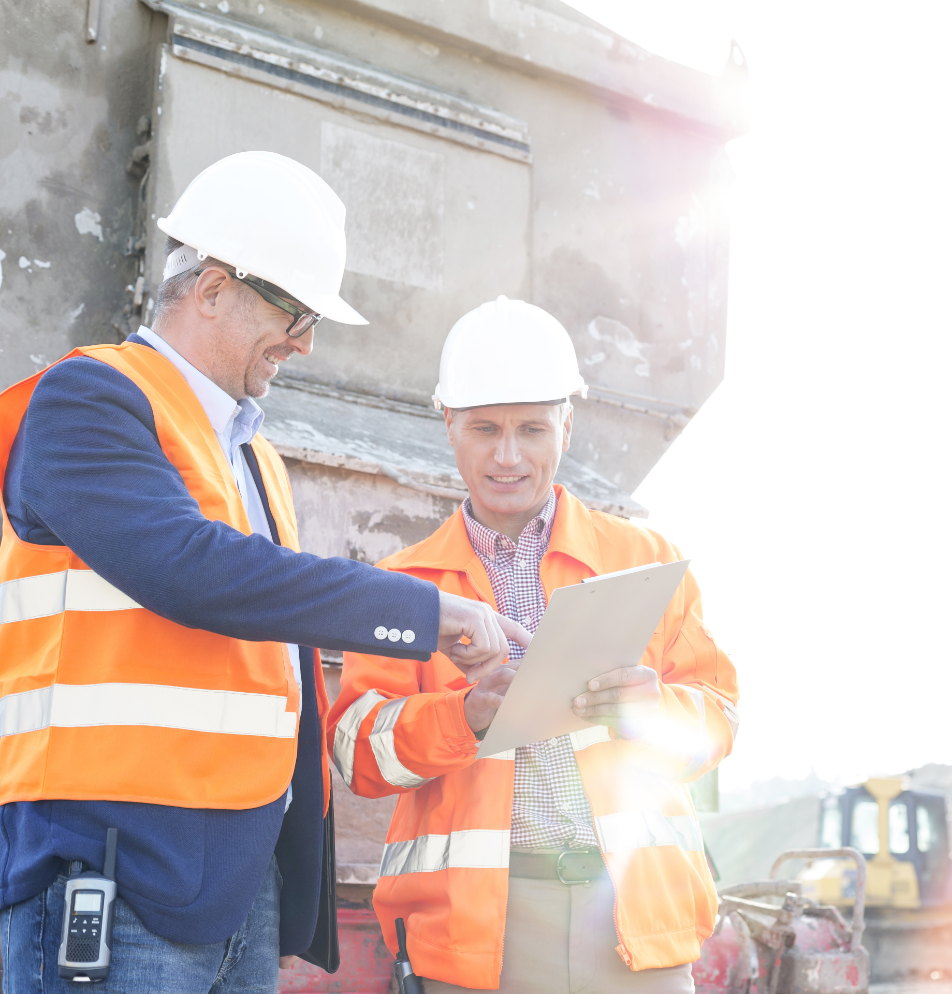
[69,111]
[617,226]
[613,219]
[358,515]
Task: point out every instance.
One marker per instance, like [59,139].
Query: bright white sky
[812,490]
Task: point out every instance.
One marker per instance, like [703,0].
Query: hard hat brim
[335,309]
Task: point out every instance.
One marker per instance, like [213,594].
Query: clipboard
[587,629]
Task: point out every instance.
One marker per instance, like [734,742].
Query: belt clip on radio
[407,981]
[84,951]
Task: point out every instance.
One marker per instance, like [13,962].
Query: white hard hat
[270,217]
[507,352]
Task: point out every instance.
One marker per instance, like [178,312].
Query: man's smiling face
[252,340]
[507,455]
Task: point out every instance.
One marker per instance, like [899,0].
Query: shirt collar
[218,405]
[485,541]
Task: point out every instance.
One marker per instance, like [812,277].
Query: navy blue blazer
[87,472]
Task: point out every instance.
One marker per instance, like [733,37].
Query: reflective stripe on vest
[704,747]
[626,830]
[345,738]
[385,751]
[53,593]
[85,705]
[483,849]
[589,736]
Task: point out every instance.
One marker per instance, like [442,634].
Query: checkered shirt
[549,806]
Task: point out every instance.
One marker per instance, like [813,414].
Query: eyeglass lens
[303,323]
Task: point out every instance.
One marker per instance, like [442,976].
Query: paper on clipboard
[587,629]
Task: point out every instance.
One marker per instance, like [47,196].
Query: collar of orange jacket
[449,548]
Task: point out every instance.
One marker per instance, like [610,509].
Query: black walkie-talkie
[407,981]
[85,952]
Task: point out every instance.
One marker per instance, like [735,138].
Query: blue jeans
[143,963]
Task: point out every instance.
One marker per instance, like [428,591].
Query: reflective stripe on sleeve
[345,738]
[697,698]
[730,713]
[85,705]
[385,750]
[474,848]
[53,593]
[640,829]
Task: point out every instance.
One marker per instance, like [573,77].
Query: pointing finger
[513,630]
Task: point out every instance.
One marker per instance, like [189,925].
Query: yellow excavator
[904,835]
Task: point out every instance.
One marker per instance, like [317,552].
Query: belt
[573,866]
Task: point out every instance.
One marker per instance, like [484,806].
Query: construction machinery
[772,939]
[903,834]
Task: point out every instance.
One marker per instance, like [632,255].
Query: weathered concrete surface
[403,442]
[617,226]
[417,261]
[611,215]
[549,38]
[68,115]
[360,515]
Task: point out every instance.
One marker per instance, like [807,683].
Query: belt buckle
[558,870]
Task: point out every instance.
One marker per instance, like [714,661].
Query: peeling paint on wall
[604,329]
[334,520]
[88,223]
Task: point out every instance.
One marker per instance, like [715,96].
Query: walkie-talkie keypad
[85,925]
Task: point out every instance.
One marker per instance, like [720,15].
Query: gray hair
[173,291]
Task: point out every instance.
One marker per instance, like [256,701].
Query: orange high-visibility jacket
[105,700]
[397,728]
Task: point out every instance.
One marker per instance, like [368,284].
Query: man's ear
[448,421]
[208,288]
[567,430]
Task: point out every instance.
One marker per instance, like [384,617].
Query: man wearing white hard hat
[158,621]
[574,864]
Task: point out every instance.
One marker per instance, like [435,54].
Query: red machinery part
[728,960]
[365,962]
[796,948]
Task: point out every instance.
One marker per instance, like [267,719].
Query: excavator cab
[903,834]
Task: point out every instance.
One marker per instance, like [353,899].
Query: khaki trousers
[561,940]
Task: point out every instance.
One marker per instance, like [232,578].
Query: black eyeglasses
[301,321]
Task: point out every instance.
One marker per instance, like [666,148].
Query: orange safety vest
[399,728]
[100,698]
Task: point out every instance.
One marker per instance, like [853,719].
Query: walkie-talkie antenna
[402,956]
[407,981]
[109,863]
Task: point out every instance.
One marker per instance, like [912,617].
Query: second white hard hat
[270,217]
[507,352]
